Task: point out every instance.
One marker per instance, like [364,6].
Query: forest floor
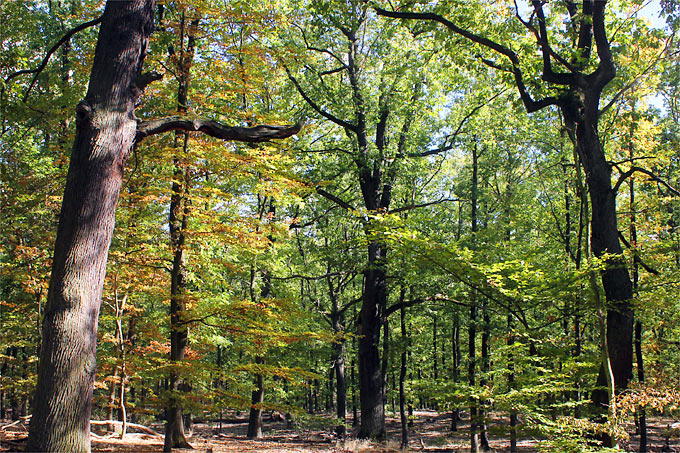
[430,433]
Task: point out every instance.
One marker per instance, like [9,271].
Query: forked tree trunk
[105,132]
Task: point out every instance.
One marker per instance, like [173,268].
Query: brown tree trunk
[105,133]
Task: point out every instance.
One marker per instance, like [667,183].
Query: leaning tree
[106,132]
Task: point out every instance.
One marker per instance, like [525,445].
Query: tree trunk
[370,375]
[641,411]
[105,133]
[616,281]
[511,386]
[472,328]
[257,398]
[435,370]
[455,364]
[484,437]
[341,385]
[178,222]
[402,375]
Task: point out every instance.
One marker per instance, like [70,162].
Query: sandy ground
[430,432]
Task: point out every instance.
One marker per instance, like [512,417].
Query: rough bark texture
[105,134]
[616,281]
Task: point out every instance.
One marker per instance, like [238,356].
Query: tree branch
[334,199]
[460,126]
[393,308]
[630,85]
[606,70]
[654,177]
[145,79]
[529,103]
[316,107]
[422,205]
[49,54]
[214,129]
[649,269]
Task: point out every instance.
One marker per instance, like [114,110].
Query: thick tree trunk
[370,375]
[616,281]
[104,137]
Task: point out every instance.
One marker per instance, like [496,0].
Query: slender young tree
[180,211]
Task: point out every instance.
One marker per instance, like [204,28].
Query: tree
[106,131]
[577,88]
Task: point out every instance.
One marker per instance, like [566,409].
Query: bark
[105,134]
[402,374]
[257,398]
[472,328]
[178,222]
[455,364]
[616,281]
[370,376]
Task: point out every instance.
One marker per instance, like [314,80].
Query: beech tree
[106,131]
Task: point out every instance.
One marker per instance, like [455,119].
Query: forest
[339,225]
